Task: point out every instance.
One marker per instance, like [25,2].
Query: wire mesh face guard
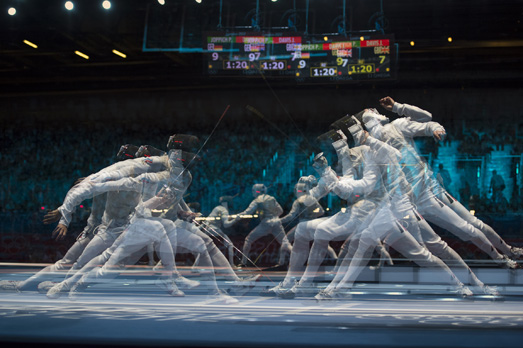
[127,151]
[357,133]
[329,137]
[343,124]
[185,159]
[184,142]
[301,189]
[148,151]
[258,189]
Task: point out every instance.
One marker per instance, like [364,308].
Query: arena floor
[132,311]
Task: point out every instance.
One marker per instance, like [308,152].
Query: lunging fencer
[400,134]
[399,192]
[394,222]
[420,115]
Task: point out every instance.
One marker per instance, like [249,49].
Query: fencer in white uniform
[337,227]
[124,169]
[191,238]
[177,177]
[304,209]
[417,114]
[400,194]
[145,229]
[217,221]
[393,220]
[269,210]
[141,232]
[140,187]
[399,134]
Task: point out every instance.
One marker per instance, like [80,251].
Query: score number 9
[215,56]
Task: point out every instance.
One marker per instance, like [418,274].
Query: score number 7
[342,61]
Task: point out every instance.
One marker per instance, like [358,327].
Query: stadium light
[29,43]
[118,53]
[83,55]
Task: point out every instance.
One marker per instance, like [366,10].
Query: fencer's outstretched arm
[160,199]
[183,205]
[131,168]
[293,213]
[227,222]
[87,189]
[415,113]
[128,168]
[384,152]
[224,216]
[300,206]
[185,212]
[173,212]
[319,191]
[328,177]
[165,196]
[348,186]
[411,129]
[249,210]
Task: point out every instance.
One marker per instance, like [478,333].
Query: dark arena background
[257,81]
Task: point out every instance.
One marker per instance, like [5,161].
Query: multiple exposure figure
[391,196]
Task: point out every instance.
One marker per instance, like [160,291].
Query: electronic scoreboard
[305,59]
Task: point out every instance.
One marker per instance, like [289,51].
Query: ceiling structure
[486,46]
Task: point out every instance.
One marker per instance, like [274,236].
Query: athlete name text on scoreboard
[293,43]
[297,56]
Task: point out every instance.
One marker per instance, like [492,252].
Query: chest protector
[269,205]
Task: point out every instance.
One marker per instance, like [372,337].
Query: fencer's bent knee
[207,240]
[303,233]
[194,243]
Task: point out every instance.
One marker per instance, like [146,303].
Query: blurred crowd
[39,165]
[480,141]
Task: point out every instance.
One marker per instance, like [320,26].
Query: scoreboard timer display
[299,57]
